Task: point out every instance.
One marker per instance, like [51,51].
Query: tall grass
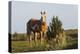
[57,43]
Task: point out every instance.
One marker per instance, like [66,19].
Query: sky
[22,12]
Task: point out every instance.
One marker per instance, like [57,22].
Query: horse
[36,29]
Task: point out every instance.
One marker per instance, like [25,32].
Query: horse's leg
[29,39]
[31,36]
[41,37]
[44,37]
[35,38]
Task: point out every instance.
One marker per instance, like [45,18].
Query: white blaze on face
[44,18]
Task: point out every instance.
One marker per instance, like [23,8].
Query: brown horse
[36,29]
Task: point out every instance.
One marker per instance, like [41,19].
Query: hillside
[72,32]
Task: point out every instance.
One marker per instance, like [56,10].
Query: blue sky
[22,12]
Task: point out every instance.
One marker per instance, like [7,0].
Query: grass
[72,44]
[19,46]
[23,46]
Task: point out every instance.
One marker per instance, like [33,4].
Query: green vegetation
[23,46]
[72,38]
[18,36]
[55,27]
[56,33]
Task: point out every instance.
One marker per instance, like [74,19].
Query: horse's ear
[44,12]
[41,12]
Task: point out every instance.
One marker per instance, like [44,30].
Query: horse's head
[43,16]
